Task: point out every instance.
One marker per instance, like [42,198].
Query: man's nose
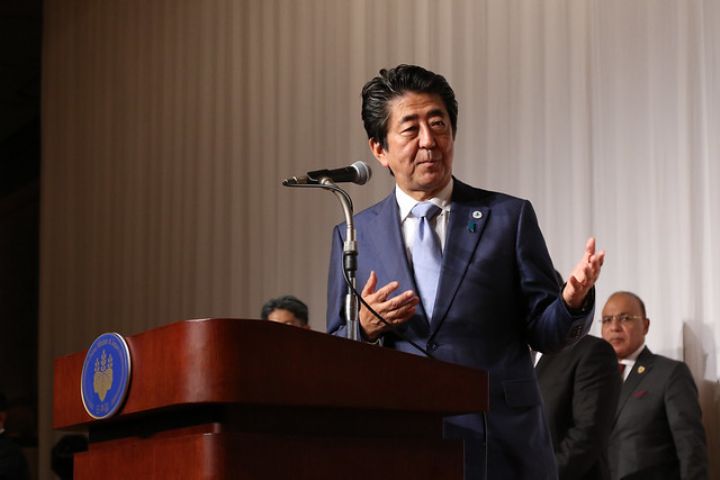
[427,139]
[615,324]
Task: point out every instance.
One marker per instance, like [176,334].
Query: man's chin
[434,180]
[621,352]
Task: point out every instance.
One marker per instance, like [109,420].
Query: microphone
[358,172]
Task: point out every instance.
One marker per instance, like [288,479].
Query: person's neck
[634,355]
[421,195]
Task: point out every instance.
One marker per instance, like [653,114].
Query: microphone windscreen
[364,173]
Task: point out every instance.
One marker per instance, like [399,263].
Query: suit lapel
[386,238]
[468,217]
[642,367]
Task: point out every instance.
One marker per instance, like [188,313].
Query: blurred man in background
[657,432]
[286,309]
[13,465]
[580,387]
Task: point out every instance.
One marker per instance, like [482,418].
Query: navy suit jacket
[497,294]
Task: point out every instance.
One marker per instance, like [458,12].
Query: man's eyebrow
[409,118]
[436,112]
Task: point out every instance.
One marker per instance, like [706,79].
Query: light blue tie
[426,255]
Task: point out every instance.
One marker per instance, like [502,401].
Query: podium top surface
[262,363]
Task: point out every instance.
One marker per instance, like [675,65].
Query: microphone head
[364,173]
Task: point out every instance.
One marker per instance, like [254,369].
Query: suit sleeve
[685,420]
[596,389]
[550,324]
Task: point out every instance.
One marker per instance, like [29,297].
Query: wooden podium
[252,399]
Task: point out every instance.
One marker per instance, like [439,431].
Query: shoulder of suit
[464,192]
[587,345]
[665,366]
[598,350]
[667,363]
[590,345]
[595,342]
[372,211]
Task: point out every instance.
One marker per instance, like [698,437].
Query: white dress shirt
[630,360]
[410,223]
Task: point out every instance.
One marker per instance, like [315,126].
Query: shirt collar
[406,202]
[632,358]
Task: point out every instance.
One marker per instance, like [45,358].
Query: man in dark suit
[580,388]
[657,432]
[13,465]
[485,283]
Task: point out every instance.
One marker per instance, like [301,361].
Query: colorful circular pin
[477,214]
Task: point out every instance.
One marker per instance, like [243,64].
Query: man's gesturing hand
[395,310]
[583,276]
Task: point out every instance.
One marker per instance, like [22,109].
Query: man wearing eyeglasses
[657,431]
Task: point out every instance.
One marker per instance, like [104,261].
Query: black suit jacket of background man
[13,465]
[658,432]
[580,387]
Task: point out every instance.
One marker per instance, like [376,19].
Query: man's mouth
[429,158]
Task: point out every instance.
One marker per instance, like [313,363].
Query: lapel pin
[472,227]
[641,369]
[477,214]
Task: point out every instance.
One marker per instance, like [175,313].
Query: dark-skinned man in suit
[657,431]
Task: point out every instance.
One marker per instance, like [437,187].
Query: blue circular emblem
[105,375]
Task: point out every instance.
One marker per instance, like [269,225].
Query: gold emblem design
[103,379]
[641,369]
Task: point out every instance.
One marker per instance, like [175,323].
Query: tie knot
[425,209]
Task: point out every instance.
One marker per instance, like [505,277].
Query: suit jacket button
[576,331]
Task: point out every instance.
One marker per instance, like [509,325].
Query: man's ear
[378,152]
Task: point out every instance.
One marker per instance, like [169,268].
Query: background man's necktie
[426,255]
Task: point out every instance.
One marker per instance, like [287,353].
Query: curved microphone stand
[352,308]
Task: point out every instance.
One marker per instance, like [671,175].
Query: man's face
[419,144]
[623,324]
[280,315]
